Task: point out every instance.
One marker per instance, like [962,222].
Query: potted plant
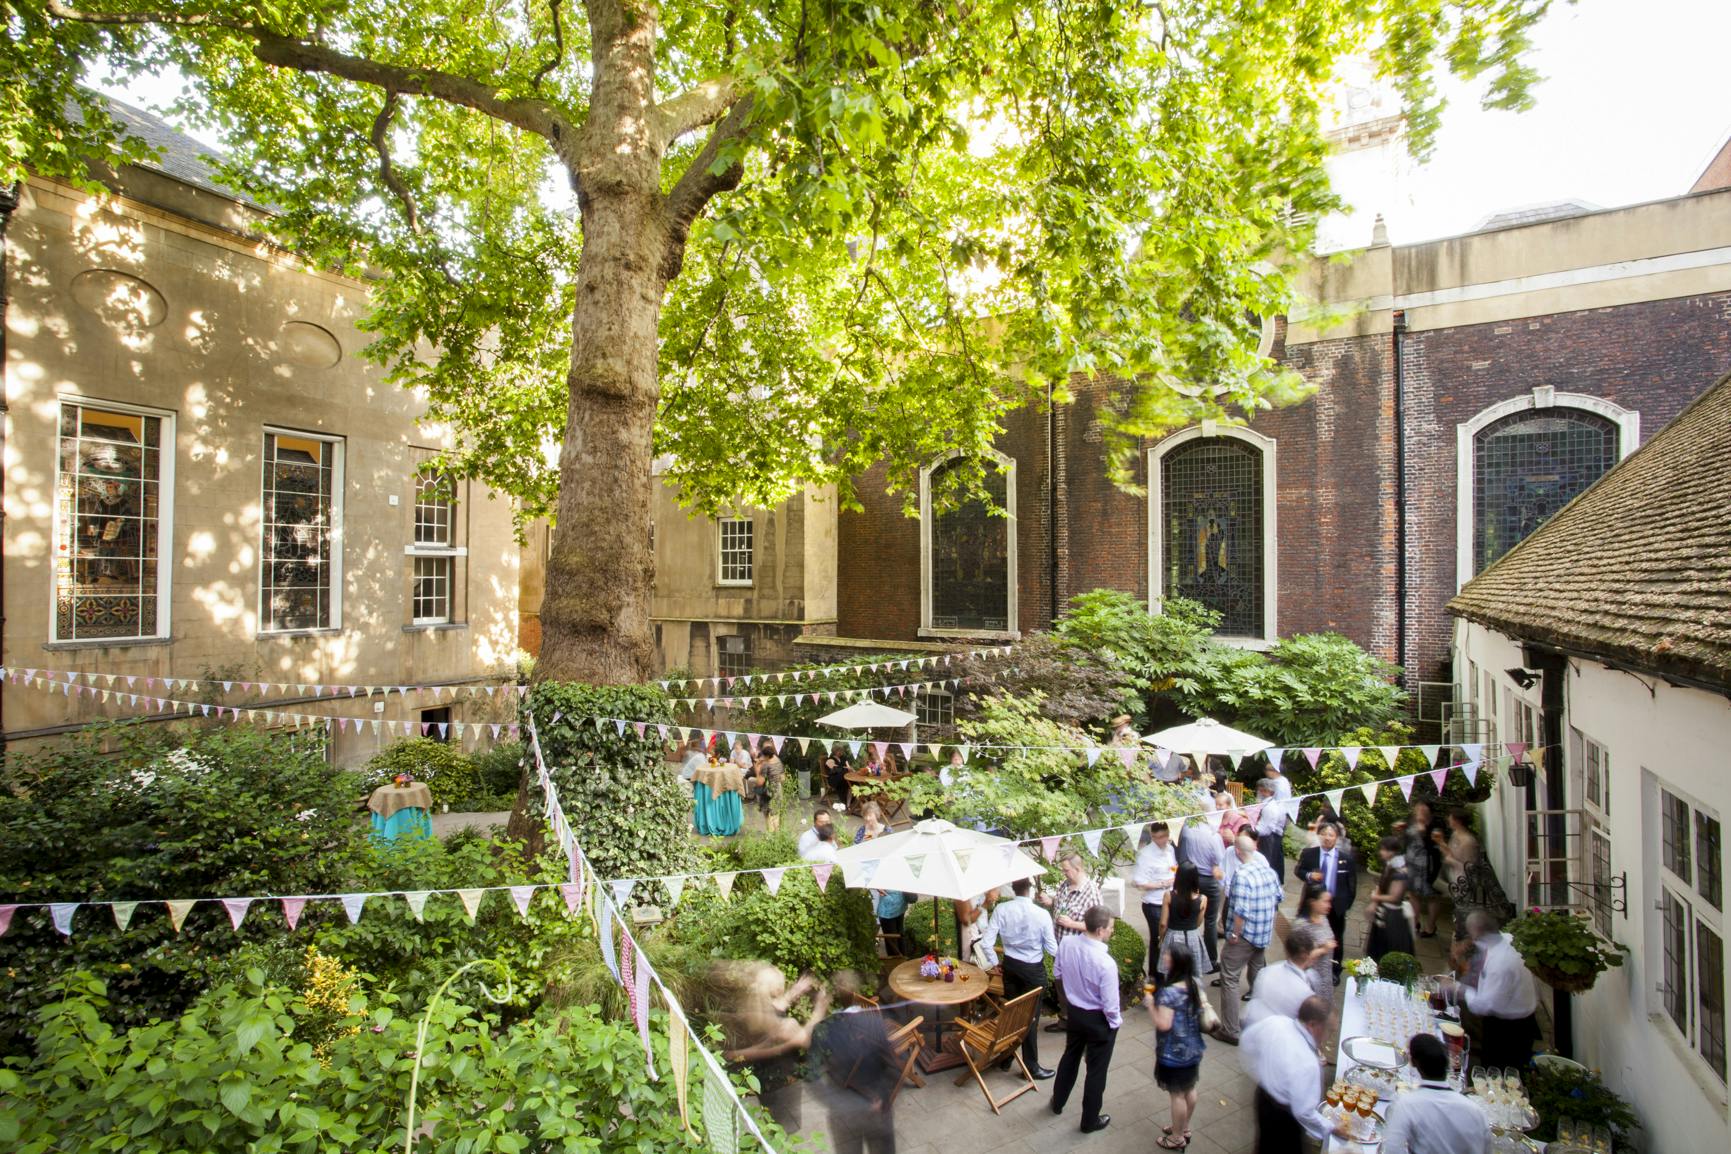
[1397,966]
[1362,971]
[1562,949]
[1558,1092]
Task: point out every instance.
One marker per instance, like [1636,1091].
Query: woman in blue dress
[1175,1006]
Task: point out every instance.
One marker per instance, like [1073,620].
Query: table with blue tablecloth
[401,811]
[718,800]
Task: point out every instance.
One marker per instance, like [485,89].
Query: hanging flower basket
[1566,983]
[1549,940]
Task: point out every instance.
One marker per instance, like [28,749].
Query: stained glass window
[299,526]
[107,524]
[1211,508]
[970,551]
[1529,465]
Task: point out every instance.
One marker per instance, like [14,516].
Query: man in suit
[1333,867]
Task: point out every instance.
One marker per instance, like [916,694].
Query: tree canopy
[792,238]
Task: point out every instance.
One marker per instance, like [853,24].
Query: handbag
[1207,1014]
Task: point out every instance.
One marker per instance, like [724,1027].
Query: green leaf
[236,1096]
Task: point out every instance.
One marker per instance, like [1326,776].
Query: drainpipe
[9,198]
[1400,493]
[1553,669]
[1057,502]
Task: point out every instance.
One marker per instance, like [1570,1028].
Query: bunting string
[795,676]
[132,681]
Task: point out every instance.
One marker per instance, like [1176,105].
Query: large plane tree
[776,240]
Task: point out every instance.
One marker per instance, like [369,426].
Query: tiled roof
[1637,569]
[177,154]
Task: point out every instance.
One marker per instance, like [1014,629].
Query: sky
[1632,107]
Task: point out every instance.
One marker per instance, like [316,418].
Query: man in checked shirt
[1078,894]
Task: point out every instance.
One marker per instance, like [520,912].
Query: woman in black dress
[1389,928]
[1181,916]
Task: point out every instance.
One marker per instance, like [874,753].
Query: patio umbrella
[1206,736]
[868,715]
[936,859]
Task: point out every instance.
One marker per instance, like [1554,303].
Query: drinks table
[907,984]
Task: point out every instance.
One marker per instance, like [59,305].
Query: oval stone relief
[304,343]
[119,298]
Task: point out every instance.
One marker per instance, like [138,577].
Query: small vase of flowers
[938,969]
[1362,971]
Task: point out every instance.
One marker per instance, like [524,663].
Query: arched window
[968,555]
[1212,537]
[1524,459]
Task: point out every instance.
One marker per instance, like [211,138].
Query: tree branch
[558,47]
[696,107]
[269,47]
[387,171]
[697,186]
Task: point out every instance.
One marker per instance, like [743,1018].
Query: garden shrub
[798,929]
[234,1074]
[1399,966]
[499,768]
[137,813]
[1079,687]
[1158,652]
[1129,952]
[449,775]
[1309,689]
[624,803]
[1558,1092]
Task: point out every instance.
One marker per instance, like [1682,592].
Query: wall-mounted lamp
[1525,678]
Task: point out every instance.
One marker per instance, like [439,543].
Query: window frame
[722,551]
[339,458]
[165,455]
[1700,920]
[1628,422]
[1012,610]
[1268,448]
[922,706]
[743,653]
[447,553]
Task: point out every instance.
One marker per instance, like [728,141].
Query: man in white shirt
[1499,989]
[1281,1055]
[1025,933]
[1156,867]
[808,838]
[1282,989]
[823,849]
[1271,822]
[1435,1118]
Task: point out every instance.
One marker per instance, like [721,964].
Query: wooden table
[971,983]
[872,783]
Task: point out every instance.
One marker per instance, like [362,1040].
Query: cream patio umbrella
[1205,736]
[938,860]
[868,715]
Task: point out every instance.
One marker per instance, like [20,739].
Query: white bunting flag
[820,873]
[236,908]
[123,912]
[62,913]
[471,899]
[1471,770]
[1369,791]
[622,892]
[1133,832]
[1430,753]
[1390,755]
[604,935]
[724,883]
[521,896]
[772,879]
[352,904]
[417,900]
[675,888]
[1336,797]
[1351,752]
[1091,839]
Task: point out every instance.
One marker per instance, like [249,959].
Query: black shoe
[1105,1121]
[1041,1073]
[1215,982]
[1245,996]
[1057,1109]
[1055,1027]
[1004,1065]
[1224,1040]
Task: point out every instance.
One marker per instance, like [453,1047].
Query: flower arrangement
[1401,967]
[1361,970]
[1562,949]
[935,969]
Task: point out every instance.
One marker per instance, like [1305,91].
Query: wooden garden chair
[908,1045]
[985,1044]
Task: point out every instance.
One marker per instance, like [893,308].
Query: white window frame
[921,702]
[722,551]
[1698,914]
[338,461]
[1270,523]
[1628,423]
[447,552]
[164,523]
[1007,466]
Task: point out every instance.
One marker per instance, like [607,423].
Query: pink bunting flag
[1440,777]
[772,879]
[880,746]
[820,873]
[1252,813]
[6,913]
[1127,755]
[521,895]
[640,726]
[1406,786]
[570,892]
[908,748]
[1049,847]
[1312,754]
[236,908]
[291,910]
[1516,749]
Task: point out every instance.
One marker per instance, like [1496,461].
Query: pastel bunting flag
[916,865]
[1516,749]
[1127,755]
[1133,832]
[1091,839]
[352,904]
[1474,751]
[569,891]
[820,874]
[123,912]
[521,896]
[675,888]
[1252,813]
[1351,752]
[1369,791]
[724,883]
[604,935]
[964,859]
[1091,755]
[640,1012]
[622,892]
[719,1125]
[1336,798]
[772,879]
[62,913]
[177,911]
[1312,754]
[471,900]
[6,913]
[868,871]
[1430,753]
[1471,770]
[417,900]
[1390,755]
[236,908]
[1406,786]
[1440,777]
[679,1062]
[291,911]
[1049,847]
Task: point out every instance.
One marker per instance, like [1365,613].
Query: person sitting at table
[835,770]
[1435,1118]
[874,763]
[741,755]
[695,758]
[872,823]
[823,848]
[808,837]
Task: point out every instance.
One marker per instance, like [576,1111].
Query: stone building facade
[204,480]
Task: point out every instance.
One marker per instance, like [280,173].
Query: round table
[858,779]
[718,800]
[401,811]
[905,982]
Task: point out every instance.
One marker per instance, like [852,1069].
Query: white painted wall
[1651,730]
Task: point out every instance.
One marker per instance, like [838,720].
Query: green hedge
[449,774]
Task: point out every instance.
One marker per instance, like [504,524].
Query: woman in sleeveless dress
[1182,914]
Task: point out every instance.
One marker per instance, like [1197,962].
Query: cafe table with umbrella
[941,861]
[869,715]
[1206,736]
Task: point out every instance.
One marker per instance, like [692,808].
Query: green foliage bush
[1399,966]
[1080,687]
[499,768]
[622,800]
[1158,652]
[136,813]
[1309,689]
[449,775]
[234,1074]
[1129,952]
[1558,1092]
